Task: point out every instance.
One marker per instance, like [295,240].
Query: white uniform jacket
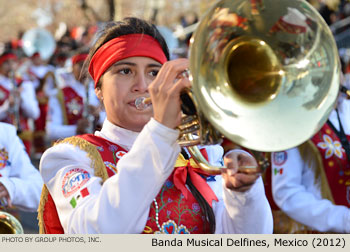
[28,102]
[21,179]
[39,72]
[298,194]
[121,204]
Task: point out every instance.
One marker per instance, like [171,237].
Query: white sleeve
[300,201]
[55,127]
[243,212]
[29,103]
[121,204]
[24,182]
[239,212]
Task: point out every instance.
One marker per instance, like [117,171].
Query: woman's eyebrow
[134,64]
[124,63]
[154,65]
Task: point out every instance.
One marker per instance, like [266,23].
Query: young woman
[129,177]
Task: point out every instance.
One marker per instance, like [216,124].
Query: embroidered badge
[279,158]
[331,147]
[73,181]
[74,107]
[82,194]
[4,156]
[120,154]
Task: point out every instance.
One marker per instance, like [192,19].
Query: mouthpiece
[142,103]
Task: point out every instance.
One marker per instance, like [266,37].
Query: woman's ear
[98,93]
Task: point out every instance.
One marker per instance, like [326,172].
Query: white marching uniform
[297,192]
[21,179]
[29,104]
[39,72]
[55,127]
[121,204]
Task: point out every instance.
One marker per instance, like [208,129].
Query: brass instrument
[38,40]
[15,108]
[9,224]
[264,76]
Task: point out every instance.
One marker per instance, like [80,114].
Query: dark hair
[129,25]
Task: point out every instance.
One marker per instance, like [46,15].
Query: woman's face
[7,67]
[122,83]
[77,69]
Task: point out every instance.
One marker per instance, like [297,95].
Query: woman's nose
[140,84]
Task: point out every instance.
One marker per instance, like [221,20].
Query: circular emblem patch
[73,180]
[120,154]
[279,158]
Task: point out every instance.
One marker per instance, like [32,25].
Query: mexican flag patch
[82,194]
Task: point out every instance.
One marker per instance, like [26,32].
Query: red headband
[78,58]
[122,47]
[7,57]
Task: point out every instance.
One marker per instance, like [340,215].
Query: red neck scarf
[122,47]
[182,167]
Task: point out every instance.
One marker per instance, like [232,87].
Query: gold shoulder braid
[60,98]
[96,163]
[315,162]
[311,156]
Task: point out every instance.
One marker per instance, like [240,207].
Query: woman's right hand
[165,92]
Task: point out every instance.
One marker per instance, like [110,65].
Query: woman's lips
[132,104]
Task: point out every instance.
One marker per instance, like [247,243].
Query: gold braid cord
[60,98]
[96,162]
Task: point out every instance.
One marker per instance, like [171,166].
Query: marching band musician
[66,107]
[42,75]
[122,179]
[18,103]
[20,181]
[311,183]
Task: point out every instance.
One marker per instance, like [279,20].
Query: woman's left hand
[5,194]
[235,180]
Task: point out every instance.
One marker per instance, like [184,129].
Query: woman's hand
[235,180]
[5,194]
[165,92]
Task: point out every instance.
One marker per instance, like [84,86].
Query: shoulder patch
[73,180]
[279,158]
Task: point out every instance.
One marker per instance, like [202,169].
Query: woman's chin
[139,122]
